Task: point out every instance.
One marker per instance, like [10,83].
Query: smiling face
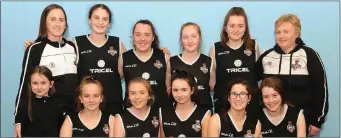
[190,38]
[143,37]
[286,35]
[99,20]
[40,85]
[55,24]
[272,99]
[91,96]
[182,91]
[138,95]
[235,27]
[239,97]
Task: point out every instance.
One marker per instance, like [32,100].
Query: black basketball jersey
[287,127]
[80,130]
[233,63]
[153,70]
[228,128]
[200,69]
[135,127]
[101,62]
[190,127]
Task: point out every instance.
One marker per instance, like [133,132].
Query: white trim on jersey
[160,114]
[99,120]
[124,130]
[195,107]
[299,115]
[120,46]
[76,45]
[208,111]
[144,119]
[194,61]
[325,87]
[68,118]
[98,45]
[150,56]
[285,107]
[256,53]
[234,124]
[23,78]
[215,63]
[109,121]
[236,47]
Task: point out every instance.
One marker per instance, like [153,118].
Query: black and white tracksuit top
[303,75]
[60,58]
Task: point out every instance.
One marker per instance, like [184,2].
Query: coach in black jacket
[301,70]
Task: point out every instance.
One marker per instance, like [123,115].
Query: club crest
[197,126]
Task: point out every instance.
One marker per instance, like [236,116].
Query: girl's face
[40,85]
[272,99]
[190,38]
[91,96]
[143,37]
[239,97]
[235,27]
[181,91]
[138,95]
[99,21]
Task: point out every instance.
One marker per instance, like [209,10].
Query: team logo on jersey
[197,126]
[106,129]
[296,65]
[112,51]
[145,75]
[155,122]
[52,65]
[237,63]
[158,64]
[101,63]
[146,135]
[247,52]
[290,127]
[248,133]
[204,68]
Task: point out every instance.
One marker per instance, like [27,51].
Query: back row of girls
[104,57]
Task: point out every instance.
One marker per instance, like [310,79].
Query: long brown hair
[42,26]
[41,70]
[237,11]
[88,80]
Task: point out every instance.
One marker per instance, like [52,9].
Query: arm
[204,123]
[118,128]
[66,129]
[257,50]
[120,66]
[212,76]
[259,70]
[258,129]
[214,126]
[165,51]
[111,125]
[301,125]
[168,74]
[318,81]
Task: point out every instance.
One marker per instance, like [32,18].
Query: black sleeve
[259,67]
[22,97]
[319,86]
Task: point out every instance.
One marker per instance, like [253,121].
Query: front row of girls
[141,119]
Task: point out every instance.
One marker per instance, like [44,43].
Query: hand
[313,131]
[165,51]
[28,43]
[17,131]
